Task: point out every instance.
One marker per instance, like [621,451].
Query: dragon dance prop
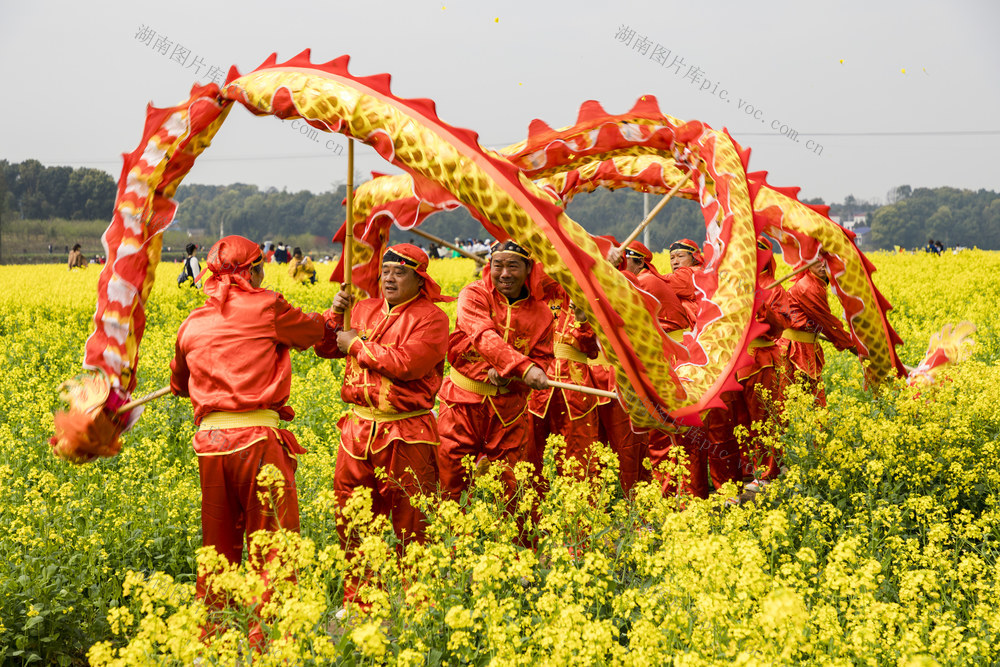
[637,150]
[445,167]
[951,345]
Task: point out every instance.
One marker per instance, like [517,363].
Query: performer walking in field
[811,319]
[501,344]
[232,359]
[762,396]
[674,319]
[571,414]
[395,352]
[712,450]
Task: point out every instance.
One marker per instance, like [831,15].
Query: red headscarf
[639,251]
[409,255]
[230,261]
[691,247]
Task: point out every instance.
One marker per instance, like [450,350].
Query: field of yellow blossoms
[878,546]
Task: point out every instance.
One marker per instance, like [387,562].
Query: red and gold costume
[232,359]
[810,319]
[681,280]
[393,373]
[479,418]
[762,397]
[571,414]
[675,318]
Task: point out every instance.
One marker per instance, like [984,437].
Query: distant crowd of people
[478,247]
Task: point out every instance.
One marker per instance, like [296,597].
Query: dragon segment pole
[794,273]
[349,232]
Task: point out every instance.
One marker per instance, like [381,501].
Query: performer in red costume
[232,359]
[673,316]
[571,414]
[685,258]
[762,397]
[674,319]
[811,319]
[395,353]
[498,352]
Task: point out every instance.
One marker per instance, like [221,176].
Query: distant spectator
[931,247]
[192,268]
[281,255]
[940,246]
[76,258]
[301,268]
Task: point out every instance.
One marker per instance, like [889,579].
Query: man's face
[400,284]
[679,258]
[634,264]
[509,273]
[819,270]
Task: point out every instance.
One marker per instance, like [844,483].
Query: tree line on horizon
[32,191]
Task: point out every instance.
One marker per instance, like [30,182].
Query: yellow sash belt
[371,414]
[763,342]
[799,336]
[215,420]
[476,386]
[566,351]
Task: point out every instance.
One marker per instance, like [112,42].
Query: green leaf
[33,621]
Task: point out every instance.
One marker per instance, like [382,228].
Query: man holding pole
[232,359]
[571,414]
[395,348]
[811,319]
[501,344]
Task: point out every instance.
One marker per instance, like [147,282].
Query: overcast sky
[879,94]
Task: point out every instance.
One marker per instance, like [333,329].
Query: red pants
[761,461]
[411,469]
[716,442]
[580,434]
[615,429]
[231,510]
[473,429]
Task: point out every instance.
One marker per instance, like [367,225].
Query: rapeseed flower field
[879,546]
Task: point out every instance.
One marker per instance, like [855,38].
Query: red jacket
[681,282]
[809,312]
[490,332]
[397,360]
[394,366]
[773,312]
[672,314]
[574,343]
[235,358]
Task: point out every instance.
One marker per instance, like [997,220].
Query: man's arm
[179,372]
[681,282]
[297,329]
[814,302]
